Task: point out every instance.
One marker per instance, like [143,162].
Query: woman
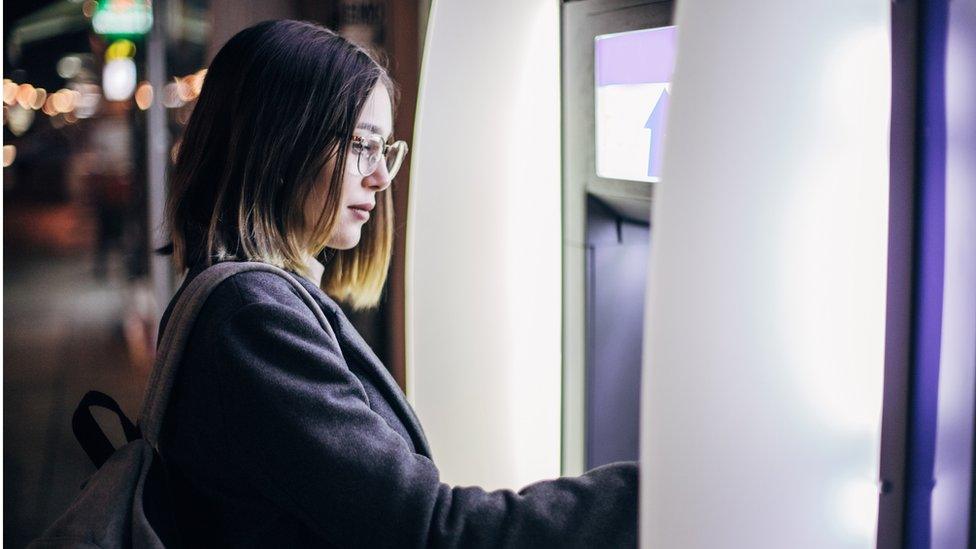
[278,434]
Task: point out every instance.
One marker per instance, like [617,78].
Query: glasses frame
[359,146]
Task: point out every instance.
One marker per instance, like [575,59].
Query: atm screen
[633,84]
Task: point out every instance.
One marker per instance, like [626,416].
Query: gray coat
[277,437]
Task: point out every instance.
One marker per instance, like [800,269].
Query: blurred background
[96,96]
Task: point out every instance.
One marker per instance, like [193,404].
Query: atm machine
[734,311]
[536,149]
[617,62]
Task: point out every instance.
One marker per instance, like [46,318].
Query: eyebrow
[375,129]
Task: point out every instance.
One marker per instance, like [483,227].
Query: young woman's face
[358,191]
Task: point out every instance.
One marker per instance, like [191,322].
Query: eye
[374,144]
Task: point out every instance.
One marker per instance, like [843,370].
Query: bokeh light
[144,96]
[119,79]
[9,154]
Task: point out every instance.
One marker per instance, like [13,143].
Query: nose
[378,180]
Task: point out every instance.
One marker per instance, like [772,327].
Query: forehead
[377,114]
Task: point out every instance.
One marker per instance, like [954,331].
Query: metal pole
[158,139]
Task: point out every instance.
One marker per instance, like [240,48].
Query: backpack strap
[177,332]
[90,435]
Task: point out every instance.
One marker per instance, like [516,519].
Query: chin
[346,240]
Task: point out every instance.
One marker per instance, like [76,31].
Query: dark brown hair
[279,101]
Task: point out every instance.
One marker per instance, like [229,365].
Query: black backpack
[126,502]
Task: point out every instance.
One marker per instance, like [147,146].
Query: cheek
[349,185]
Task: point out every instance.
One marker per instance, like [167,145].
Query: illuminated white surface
[483,263]
[763,369]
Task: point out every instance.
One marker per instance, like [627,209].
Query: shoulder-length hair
[279,101]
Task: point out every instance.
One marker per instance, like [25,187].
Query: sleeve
[299,420]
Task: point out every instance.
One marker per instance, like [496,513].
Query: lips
[365,206]
[361,211]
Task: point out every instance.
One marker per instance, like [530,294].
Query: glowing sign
[121,18]
[633,90]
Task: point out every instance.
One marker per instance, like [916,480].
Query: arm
[299,420]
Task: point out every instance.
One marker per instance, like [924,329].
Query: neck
[315,270]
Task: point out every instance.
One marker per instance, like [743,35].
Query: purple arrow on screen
[655,122]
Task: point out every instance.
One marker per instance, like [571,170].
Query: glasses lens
[370,154]
[394,157]
[362,163]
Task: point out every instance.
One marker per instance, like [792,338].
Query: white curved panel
[483,263]
[763,366]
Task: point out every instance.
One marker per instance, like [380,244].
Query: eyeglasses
[370,149]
